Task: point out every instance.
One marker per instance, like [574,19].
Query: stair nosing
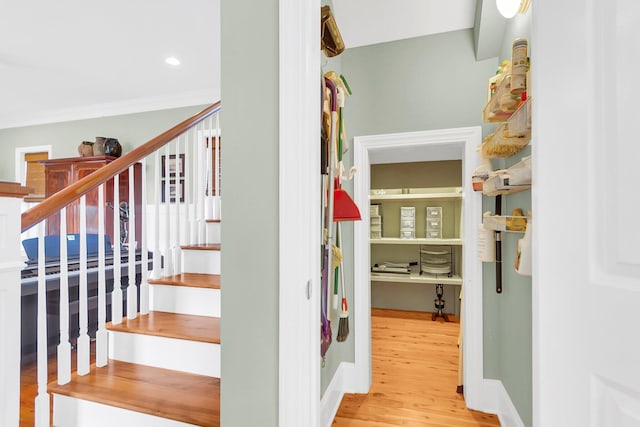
[202,247]
[185,280]
[135,328]
[86,388]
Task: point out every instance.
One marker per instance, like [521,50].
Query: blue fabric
[52,246]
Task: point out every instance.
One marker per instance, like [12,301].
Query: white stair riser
[169,353]
[213,232]
[185,300]
[198,261]
[72,412]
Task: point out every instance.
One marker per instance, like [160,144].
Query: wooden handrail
[62,198]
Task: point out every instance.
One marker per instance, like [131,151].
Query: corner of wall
[341,383]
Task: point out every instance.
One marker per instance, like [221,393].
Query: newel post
[11,262]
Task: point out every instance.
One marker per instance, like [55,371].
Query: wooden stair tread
[181,396]
[213,220]
[202,247]
[194,280]
[172,325]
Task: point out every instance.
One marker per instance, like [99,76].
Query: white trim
[299,215]
[336,389]
[140,105]
[20,172]
[501,404]
[437,141]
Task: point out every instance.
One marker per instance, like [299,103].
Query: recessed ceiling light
[172,61]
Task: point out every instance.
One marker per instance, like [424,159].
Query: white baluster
[101,333]
[210,171]
[42,408]
[157,196]
[64,348]
[201,182]
[218,199]
[177,220]
[132,288]
[193,236]
[116,294]
[83,339]
[144,269]
[187,193]
[168,258]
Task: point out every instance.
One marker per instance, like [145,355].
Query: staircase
[158,364]
[164,367]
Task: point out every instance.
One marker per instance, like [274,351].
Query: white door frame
[446,144]
[299,214]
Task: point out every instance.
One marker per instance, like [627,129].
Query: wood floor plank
[169,394]
[415,375]
[194,280]
[203,247]
[172,325]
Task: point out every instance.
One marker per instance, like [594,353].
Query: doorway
[447,144]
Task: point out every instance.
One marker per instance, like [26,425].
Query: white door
[586,156]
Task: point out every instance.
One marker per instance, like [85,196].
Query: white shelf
[417,194]
[399,241]
[508,223]
[415,277]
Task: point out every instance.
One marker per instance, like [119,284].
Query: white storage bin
[434,212]
[407,234]
[407,222]
[408,211]
[434,224]
[434,234]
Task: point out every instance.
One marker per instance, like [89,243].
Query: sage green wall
[131,130]
[249,321]
[422,83]
[507,324]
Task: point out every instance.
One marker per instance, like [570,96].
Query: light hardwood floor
[415,375]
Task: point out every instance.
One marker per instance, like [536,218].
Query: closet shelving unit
[511,136]
[392,199]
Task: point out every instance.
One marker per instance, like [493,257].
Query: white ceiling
[67,59]
[365,22]
[75,59]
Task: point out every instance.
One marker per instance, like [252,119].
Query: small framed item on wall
[175,166]
[174,188]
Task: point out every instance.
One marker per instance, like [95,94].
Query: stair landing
[180,396]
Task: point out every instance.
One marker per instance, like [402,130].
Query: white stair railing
[64,348]
[101,333]
[183,199]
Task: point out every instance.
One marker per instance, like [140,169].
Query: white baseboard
[341,383]
[502,405]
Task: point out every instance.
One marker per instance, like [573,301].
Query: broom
[343,326]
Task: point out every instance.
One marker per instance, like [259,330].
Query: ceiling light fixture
[172,61]
[510,8]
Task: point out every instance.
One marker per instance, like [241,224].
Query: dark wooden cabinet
[60,173]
